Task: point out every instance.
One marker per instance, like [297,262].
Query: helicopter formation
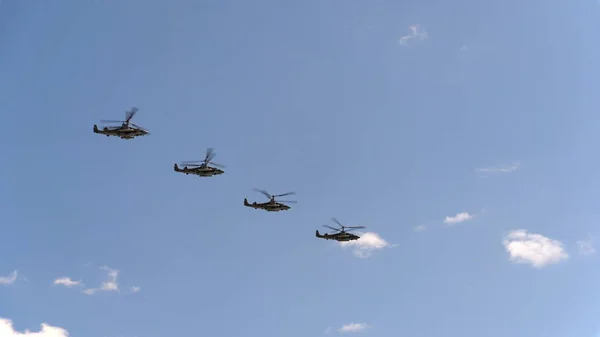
[206,168]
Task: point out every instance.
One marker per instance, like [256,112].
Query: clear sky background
[327,98]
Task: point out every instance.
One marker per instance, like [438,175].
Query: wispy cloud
[67,282]
[458,218]
[499,169]
[416,33]
[534,249]
[7,330]
[366,245]
[586,247]
[10,279]
[353,327]
[111,284]
[420,228]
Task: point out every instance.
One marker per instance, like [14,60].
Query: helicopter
[127,130]
[271,205]
[342,235]
[203,169]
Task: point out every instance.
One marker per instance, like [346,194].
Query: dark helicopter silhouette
[271,205]
[341,235]
[127,130]
[203,169]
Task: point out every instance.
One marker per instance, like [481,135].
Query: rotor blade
[193,161]
[337,222]
[335,229]
[217,165]
[356,227]
[109,121]
[209,154]
[188,164]
[284,194]
[129,114]
[287,202]
[263,192]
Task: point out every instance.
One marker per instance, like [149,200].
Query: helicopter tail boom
[96,129]
[319,235]
[176,168]
[246,203]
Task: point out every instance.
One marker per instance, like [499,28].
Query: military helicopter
[271,205]
[127,130]
[342,235]
[203,169]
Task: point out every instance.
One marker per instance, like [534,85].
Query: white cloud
[586,247]
[67,282]
[534,249]
[10,279]
[353,327]
[499,169]
[415,33]
[135,289]
[90,291]
[420,228]
[366,245]
[111,284]
[458,218]
[7,330]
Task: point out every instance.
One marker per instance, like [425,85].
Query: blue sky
[486,113]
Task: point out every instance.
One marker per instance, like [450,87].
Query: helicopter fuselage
[340,237]
[270,206]
[201,171]
[123,132]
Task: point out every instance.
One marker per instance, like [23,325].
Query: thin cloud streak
[352,327]
[586,247]
[111,284]
[499,169]
[420,228]
[416,33]
[458,218]
[10,279]
[67,282]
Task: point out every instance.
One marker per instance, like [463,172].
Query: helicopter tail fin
[95,128]
[176,168]
[246,202]
[317,234]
